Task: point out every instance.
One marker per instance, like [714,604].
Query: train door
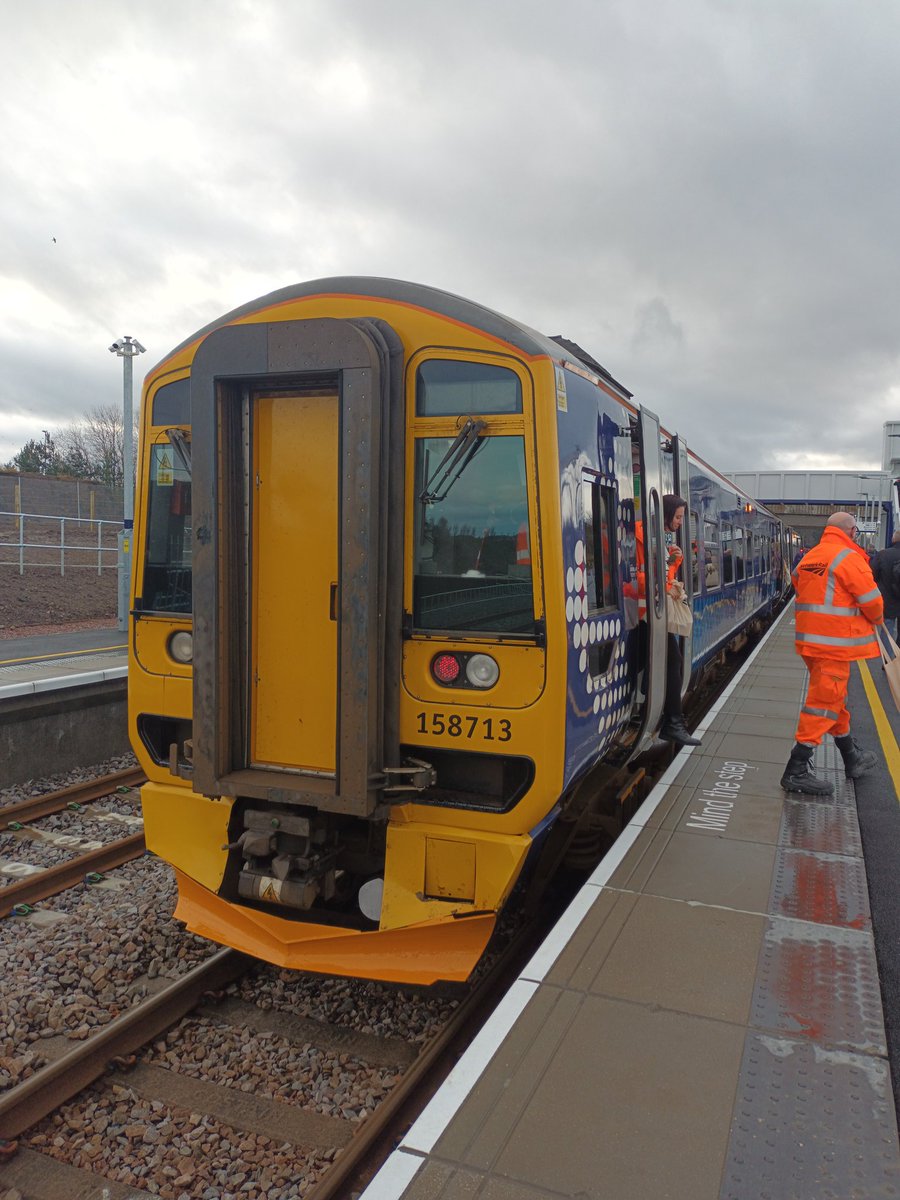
[683,489]
[648,440]
[294,580]
[298,455]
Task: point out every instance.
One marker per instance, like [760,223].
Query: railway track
[38,883]
[314,1140]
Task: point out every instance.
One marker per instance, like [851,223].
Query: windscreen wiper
[182,448]
[459,454]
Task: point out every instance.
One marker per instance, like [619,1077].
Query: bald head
[843,521]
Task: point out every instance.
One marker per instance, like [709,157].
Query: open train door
[297,553]
[651,515]
[687,538]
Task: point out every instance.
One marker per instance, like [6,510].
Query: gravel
[55,783]
[325,1081]
[73,976]
[171,1152]
[414,1015]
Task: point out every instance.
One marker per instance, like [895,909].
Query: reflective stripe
[874,594]
[831,610]
[819,712]
[819,639]
[829,588]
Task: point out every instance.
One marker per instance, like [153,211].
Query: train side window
[727,552]
[446,387]
[712,570]
[694,525]
[741,552]
[598,510]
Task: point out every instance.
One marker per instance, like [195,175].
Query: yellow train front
[339,681]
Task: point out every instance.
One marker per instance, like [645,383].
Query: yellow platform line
[882,724]
[39,658]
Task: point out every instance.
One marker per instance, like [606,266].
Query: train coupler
[288,859]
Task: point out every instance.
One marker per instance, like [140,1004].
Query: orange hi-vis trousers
[825,707]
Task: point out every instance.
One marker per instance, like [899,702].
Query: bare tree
[89,448]
[95,444]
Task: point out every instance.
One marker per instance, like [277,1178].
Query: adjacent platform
[62,702]
[705,1023]
[58,660]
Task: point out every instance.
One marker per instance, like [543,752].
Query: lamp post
[126,348]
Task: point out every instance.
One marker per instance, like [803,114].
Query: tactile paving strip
[831,828]
[819,982]
[824,888]
[811,1124]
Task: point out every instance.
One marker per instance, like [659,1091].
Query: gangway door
[298,536]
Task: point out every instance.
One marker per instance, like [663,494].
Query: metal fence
[69,543]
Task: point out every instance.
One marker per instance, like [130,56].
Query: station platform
[48,662]
[706,1020]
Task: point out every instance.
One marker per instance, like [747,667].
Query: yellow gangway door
[294,557]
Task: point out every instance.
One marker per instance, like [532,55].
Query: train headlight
[482,671]
[181,646]
[445,668]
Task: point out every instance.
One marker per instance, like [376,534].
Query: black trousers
[672,710]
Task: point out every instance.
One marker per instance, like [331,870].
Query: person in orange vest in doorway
[673,728]
[523,549]
[838,606]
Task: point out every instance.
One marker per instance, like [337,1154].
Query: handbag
[890,658]
[679,617]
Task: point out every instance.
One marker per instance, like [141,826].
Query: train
[386,645]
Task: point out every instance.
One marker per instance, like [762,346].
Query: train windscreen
[472,541]
[167,563]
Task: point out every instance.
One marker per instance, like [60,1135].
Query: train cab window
[167,563]
[712,570]
[598,510]
[172,404]
[472,565]
[727,552]
[445,387]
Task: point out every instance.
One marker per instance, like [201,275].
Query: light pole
[127,349]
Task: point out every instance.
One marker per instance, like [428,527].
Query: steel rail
[48,882]
[31,1101]
[80,793]
[424,1075]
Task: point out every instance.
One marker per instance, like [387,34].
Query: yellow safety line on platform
[882,724]
[39,658]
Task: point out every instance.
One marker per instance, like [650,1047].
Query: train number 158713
[489,729]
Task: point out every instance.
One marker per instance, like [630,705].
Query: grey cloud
[703,195]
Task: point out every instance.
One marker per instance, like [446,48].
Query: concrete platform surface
[706,1021]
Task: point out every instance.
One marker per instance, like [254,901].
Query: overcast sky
[703,194]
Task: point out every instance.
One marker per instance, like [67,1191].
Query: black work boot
[798,777]
[856,760]
[676,731]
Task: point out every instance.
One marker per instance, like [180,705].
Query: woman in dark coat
[886,569]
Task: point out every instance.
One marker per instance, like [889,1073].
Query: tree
[93,446]
[90,448]
[37,458]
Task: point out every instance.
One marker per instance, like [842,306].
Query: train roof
[457,308]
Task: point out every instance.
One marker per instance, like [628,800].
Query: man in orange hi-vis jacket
[838,607]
